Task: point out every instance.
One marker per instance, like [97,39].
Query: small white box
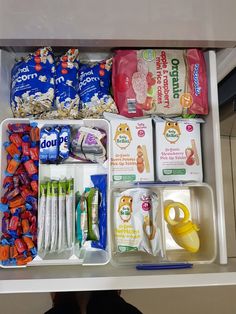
[178,150]
[131,149]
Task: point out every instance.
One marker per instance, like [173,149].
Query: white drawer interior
[106,277]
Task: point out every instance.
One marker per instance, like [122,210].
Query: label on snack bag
[149,81]
[94,88]
[178,150]
[135,221]
[32,84]
[67,81]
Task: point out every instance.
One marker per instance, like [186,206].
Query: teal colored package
[100,182]
[94,89]
[82,218]
[67,84]
[33,84]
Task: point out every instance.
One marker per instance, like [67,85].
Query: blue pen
[163,266]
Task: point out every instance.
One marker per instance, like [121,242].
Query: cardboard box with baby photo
[178,150]
[131,149]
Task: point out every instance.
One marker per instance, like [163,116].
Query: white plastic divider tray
[200,202]
[81,172]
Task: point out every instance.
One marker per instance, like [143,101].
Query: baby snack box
[131,149]
[178,150]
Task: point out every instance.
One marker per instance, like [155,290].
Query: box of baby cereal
[178,150]
[131,149]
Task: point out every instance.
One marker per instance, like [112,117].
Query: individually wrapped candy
[20,246]
[54,217]
[16,139]
[94,89]
[69,212]
[100,182]
[30,166]
[19,127]
[12,166]
[30,245]
[12,149]
[26,145]
[67,84]
[34,132]
[32,84]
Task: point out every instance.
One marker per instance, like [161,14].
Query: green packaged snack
[82,219]
[92,204]
[62,216]
[54,216]
[48,217]
[41,215]
[70,212]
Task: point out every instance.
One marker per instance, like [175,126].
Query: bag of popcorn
[67,84]
[32,84]
[94,89]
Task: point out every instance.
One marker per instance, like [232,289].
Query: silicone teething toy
[183,230]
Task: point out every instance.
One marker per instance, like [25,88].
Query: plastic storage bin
[199,200]
[71,168]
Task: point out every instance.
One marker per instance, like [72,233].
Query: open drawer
[63,278]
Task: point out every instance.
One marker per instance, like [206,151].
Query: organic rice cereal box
[131,149]
[178,150]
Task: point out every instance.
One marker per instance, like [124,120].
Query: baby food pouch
[136,221]
[178,150]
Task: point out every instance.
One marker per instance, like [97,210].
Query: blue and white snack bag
[67,84]
[64,142]
[32,84]
[49,145]
[94,89]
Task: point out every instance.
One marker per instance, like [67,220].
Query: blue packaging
[32,84]
[67,84]
[64,142]
[94,89]
[100,182]
[43,150]
[49,145]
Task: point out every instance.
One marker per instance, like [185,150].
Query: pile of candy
[19,203]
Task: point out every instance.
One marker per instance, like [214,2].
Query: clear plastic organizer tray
[199,200]
[80,172]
